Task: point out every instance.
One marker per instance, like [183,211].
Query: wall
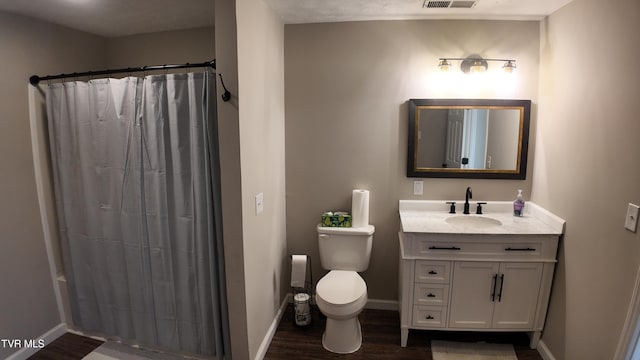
[502,147]
[346,89]
[169,47]
[261,93]
[231,186]
[586,170]
[29,47]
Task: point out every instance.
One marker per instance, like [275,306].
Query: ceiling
[310,11]
[114,18]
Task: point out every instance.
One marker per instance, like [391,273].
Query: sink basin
[481,222]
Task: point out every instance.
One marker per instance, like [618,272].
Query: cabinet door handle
[501,284]
[430,295]
[444,248]
[494,281]
[519,249]
[431,272]
[429,317]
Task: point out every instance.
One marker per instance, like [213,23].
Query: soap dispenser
[518,205]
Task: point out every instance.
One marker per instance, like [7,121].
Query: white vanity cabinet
[477,280]
[490,295]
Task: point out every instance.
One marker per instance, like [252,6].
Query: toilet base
[342,336]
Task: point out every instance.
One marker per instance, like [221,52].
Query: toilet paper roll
[298,270]
[360,208]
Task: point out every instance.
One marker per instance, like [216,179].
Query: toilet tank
[345,248]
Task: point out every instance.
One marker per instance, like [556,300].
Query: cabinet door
[517,299]
[472,287]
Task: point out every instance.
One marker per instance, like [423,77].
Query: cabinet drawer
[431,294]
[429,316]
[536,248]
[438,272]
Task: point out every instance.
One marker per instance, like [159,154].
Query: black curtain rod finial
[34,80]
[226,96]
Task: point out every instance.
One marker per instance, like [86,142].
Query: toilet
[342,294]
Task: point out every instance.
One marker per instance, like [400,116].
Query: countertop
[429,216]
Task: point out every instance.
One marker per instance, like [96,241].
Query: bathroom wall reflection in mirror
[468,138]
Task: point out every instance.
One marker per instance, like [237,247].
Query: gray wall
[262,158]
[168,47]
[231,180]
[346,91]
[587,170]
[27,302]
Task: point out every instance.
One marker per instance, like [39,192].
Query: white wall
[587,169]
[347,87]
[261,115]
[27,302]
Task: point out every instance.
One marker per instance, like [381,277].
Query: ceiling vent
[455,4]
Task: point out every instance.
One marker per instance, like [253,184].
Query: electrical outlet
[631,222]
[417,187]
[259,203]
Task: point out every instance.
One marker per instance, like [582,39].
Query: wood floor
[381,332]
[381,339]
[67,347]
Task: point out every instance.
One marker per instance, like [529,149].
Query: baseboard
[376,304]
[544,351]
[48,337]
[264,346]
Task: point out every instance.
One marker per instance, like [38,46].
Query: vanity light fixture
[509,66]
[444,65]
[476,64]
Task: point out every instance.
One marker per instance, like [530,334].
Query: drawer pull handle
[494,282]
[430,295]
[501,285]
[431,272]
[429,317]
[444,248]
[519,249]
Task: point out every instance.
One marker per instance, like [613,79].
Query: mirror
[468,138]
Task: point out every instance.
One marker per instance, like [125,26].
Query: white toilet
[341,294]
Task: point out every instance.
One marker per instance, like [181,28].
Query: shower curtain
[136,182]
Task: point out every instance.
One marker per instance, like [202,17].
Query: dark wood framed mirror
[468,138]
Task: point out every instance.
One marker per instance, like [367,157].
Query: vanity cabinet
[475,282]
[490,295]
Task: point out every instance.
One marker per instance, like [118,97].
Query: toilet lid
[341,287]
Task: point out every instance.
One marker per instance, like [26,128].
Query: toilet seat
[341,293]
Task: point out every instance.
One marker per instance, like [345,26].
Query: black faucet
[467,196]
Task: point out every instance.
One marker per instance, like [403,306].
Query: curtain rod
[35,79]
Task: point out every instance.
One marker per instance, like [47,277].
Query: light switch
[259,203]
[417,187]
[631,221]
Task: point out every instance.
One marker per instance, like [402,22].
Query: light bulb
[444,65]
[478,66]
[508,67]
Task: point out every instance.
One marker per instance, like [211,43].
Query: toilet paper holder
[302,295]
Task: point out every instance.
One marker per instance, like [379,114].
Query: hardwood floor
[381,339]
[381,331]
[67,347]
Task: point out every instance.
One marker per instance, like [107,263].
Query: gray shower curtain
[135,169]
